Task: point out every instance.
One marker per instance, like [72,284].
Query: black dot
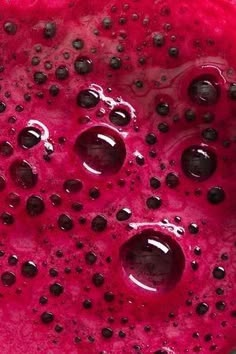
[215,195]
[55,199]
[12,260]
[83,65]
[56,289]
[202,308]
[43,300]
[107,23]
[47,317]
[58,328]
[29,137]
[160,351]
[98,279]
[163,108]
[107,332]
[172,180]
[49,30]
[153,202]
[7,218]
[123,214]
[53,272]
[99,223]
[6,149]
[115,63]
[65,222]
[218,273]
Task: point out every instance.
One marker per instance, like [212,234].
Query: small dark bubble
[10,28]
[90,258]
[38,48]
[53,272]
[72,185]
[142,60]
[178,219]
[58,328]
[98,279]
[150,139]
[49,30]
[193,229]
[173,52]
[122,334]
[120,48]
[107,332]
[35,205]
[19,108]
[35,61]
[83,65]
[189,115]
[6,149]
[77,340]
[140,160]
[160,351]
[224,257]
[208,337]
[163,109]
[62,72]
[77,206]
[65,222]
[153,202]
[158,40]
[202,308]
[55,199]
[154,183]
[94,193]
[99,223]
[210,134]
[12,260]
[43,300]
[2,253]
[54,90]
[218,273]
[197,251]
[119,116]
[47,317]
[208,117]
[48,65]
[87,304]
[220,305]
[7,218]
[215,195]
[107,23]
[194,265]
[204,90]
[88,98]
[163,127]
[109,296]
[29,269]
[78,44]
[220,291]
[8,278]
[40,78]
[27,97]
[138,83]
[56,289]
[115,63]
[172,180]
[2,107]
[123,214]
